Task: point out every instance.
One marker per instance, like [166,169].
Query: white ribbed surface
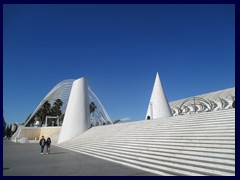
[194,145]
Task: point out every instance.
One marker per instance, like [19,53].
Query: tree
[4,127]
[8,131]
[56,109]
[44,111]
[92,107]
[48,110]
[61,119]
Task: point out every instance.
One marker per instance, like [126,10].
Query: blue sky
[119,48]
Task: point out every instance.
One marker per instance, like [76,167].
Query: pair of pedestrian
[44,142]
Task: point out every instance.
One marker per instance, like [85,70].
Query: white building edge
[214,101]
[158,106]
[77,95]
[77,116]
[198,141]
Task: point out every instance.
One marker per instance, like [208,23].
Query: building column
[77,115]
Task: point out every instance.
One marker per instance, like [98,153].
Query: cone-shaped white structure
[158,105]
[77,115]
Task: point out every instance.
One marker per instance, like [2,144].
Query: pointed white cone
[77,115]
[158,105]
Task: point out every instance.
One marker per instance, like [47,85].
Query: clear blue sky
[119,48]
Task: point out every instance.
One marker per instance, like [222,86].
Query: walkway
[25,160]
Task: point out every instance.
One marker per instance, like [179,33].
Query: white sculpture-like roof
[62,91]
[158,105]
[218,100]
[59,91]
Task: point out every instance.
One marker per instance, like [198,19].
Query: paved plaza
[25,160]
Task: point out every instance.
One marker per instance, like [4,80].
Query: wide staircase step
[191,145]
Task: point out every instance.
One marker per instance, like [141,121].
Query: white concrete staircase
[191,145]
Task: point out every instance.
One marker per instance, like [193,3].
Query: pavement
[25,160]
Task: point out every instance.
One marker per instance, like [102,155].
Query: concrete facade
[76,119]
[158,105]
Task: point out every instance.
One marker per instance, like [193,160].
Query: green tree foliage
[48,110]
[56,109]
[4,127]
[92,107]
[44,111]
[8,131]
[61,117]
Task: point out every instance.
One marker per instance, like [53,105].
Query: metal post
[194,104]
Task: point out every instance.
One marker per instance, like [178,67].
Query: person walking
[48,142]
[42,143]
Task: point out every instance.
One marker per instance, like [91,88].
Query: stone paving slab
[25,160]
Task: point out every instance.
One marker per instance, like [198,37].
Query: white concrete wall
[34,133]
[77,115]
[158,105]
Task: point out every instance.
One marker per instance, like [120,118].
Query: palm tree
[92,107]
[44,111]
[56,109]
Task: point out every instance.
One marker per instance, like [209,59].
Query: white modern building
[194,136]
[158,106]
[214,101]
[77,98]
[77,116]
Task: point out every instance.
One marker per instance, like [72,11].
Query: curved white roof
[59,91]
[62,91]
[213,101]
